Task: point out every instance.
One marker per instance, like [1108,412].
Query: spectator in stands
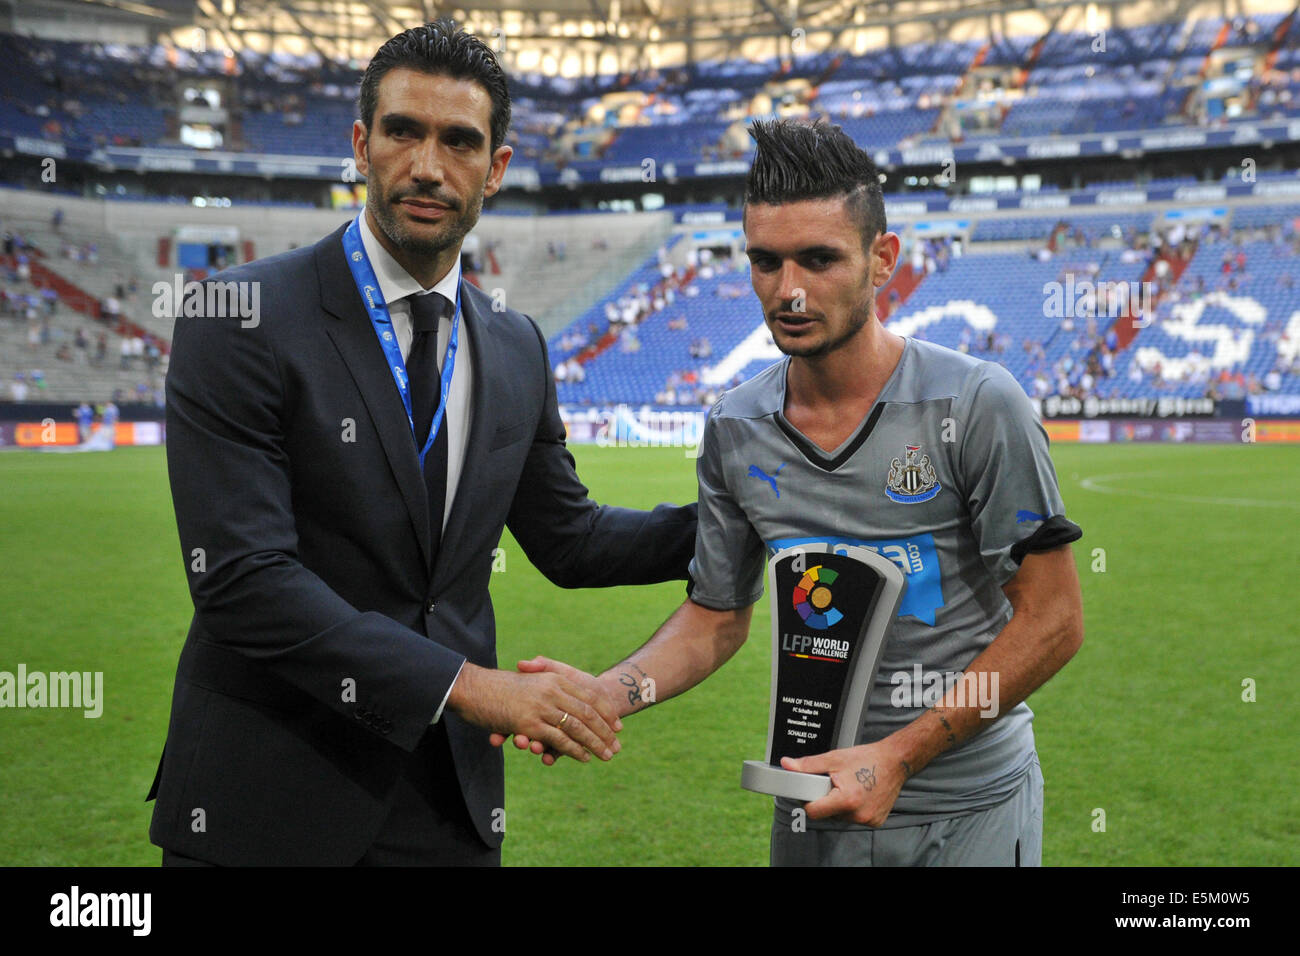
[101,348]
[82,343]
[18,387]
[124,350]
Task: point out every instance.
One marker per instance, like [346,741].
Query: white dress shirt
[397,286]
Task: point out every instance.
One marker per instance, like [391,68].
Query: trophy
[831,613]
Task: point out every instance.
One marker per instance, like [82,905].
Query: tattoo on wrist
[867,777]
[633,686]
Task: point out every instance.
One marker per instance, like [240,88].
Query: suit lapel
[354,337]
[485,353]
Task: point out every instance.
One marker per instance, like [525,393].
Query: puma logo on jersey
[756,472]
[1022,516]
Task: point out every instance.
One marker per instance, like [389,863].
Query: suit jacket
[323,641]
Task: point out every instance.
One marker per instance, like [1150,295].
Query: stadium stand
[683,324]
[1150,77]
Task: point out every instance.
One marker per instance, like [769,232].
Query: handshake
[548,707]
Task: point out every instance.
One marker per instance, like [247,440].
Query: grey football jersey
[949,477]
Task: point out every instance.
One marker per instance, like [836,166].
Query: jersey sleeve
[1009,480]
[727,570]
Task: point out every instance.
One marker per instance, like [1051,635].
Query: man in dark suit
[336,692]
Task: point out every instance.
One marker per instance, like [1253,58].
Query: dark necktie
[426,385]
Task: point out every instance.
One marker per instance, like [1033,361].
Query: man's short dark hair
[441,48]
[798,161]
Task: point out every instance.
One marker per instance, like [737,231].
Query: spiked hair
[797,161]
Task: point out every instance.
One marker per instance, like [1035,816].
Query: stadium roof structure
[343,29]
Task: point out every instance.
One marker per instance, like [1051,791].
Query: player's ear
[884,258]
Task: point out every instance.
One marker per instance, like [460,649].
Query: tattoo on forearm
[867,777]
[952,738]
[907,769]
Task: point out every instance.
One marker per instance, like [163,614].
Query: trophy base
[764,778]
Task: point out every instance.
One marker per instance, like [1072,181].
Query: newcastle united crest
[912,480]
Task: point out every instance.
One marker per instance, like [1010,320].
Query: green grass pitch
[1147,724]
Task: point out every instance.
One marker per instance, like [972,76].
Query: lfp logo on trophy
[831,614]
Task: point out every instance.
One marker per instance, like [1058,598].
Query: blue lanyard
[364,276]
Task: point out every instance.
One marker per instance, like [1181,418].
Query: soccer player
[108,426]
[85,416]
[935,459]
